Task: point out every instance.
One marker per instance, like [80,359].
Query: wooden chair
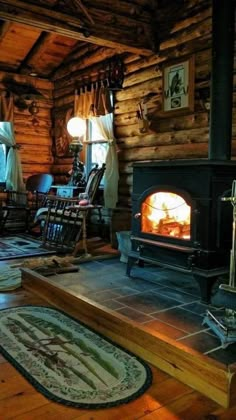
[65,218]
[37,186]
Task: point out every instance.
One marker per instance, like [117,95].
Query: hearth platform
[212,378]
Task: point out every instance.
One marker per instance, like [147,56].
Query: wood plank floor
[166,399]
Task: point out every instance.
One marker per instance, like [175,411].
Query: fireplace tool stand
[225,327]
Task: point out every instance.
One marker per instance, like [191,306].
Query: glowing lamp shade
[76,127]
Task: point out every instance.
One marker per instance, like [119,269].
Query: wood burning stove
[179,220]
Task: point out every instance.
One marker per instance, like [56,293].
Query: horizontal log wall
[33,134]
[174,137]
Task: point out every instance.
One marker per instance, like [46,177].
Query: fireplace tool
[225,327]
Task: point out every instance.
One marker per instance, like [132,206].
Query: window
[96,144]
[96,147]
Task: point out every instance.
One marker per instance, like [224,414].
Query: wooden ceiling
[41,36]
[37,36]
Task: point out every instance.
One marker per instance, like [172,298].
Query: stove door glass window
[166,214]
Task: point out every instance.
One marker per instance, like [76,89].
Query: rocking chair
[26,203]
[66,217]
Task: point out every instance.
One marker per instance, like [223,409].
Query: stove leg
[130,263]
[141,263]
[205,285]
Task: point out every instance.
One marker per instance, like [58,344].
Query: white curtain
[14,179]
[111,176]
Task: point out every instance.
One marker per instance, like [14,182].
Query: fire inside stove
[167,214]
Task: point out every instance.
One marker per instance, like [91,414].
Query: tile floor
[162,299]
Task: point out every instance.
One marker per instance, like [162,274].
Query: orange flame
[165,213]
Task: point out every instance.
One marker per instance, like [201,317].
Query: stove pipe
[221,80]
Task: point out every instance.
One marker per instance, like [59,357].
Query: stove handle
[191,261]
[140,248]
[137,215]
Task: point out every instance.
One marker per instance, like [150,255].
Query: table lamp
[76,127]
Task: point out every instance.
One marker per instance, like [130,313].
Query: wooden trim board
[213,379]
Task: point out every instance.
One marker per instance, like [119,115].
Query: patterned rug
[68,362]
[21,246]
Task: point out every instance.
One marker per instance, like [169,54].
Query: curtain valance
[92,101]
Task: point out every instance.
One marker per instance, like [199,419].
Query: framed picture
[178,87]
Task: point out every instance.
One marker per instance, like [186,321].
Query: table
[67,191]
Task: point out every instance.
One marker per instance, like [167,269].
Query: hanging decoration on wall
[34,110]
[115,75]
[62,137]
[142,117]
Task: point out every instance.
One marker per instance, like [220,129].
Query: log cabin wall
[33,133]
[174,137]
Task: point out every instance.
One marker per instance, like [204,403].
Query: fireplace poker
[225,297]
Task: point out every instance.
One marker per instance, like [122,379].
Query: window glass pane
[94,132]
[99,152]
[2,162]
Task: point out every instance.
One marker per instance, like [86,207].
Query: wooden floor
[166,399]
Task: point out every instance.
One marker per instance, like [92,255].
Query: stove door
[167,214]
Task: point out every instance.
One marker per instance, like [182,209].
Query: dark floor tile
[142,285]
[134,315]
[100,280]
[140,273]
[112,304]
[181,319]
[191,288]
[102,296]
[165,329]
[179,280]
[125,291]
[101,270]
[226,356]
[95,286]
[196,307]
[79,289]
[113,262]
[148,302]
[176,294]
[202,342]
[89,265]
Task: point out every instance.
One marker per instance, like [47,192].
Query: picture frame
[178,87]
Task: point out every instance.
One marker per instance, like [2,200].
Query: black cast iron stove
[179,220]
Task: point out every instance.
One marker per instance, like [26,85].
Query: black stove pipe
[221,80]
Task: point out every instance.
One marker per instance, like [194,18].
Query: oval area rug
[69,362]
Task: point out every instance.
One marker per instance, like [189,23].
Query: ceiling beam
[50,20]
[4,27]
[25,66]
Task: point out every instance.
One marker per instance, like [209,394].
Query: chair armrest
[58,199]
